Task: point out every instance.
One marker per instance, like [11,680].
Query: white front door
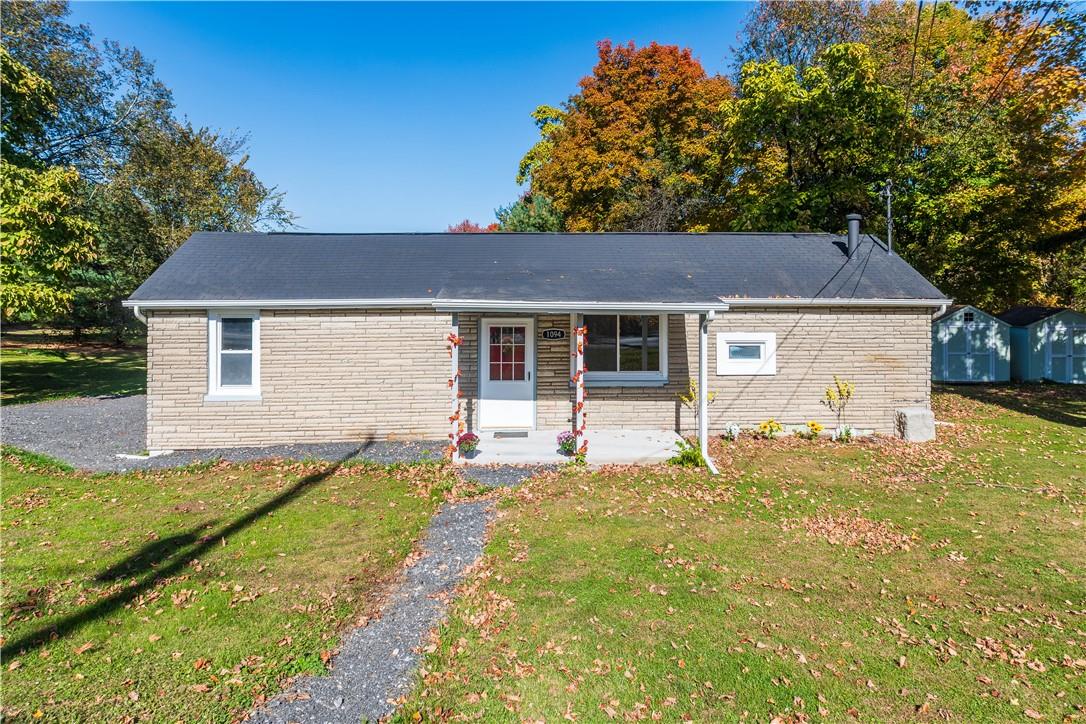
[506,385]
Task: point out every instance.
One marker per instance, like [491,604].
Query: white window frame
[765,365]
[216,391]
[652,378]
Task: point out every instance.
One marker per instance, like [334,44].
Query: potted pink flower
[567,442]
[468,444]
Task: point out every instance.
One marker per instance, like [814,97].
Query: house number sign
[553,334]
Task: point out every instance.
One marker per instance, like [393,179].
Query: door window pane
[236,368]
[507,353]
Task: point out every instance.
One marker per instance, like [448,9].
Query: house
[269,338]
[1047,343]
[969,345]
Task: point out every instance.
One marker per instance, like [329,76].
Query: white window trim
[767,365]
[217,392]
[623,379]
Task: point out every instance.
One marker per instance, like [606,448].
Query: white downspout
[454,388]
[703,389]
[140,316]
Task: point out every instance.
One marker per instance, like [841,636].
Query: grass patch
[874,580]
[37,368]
[191,594]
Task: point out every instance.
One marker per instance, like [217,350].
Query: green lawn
[191,594]
[36,366]
[874,580]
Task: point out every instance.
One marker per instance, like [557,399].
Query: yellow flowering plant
[769,429]
[837,397]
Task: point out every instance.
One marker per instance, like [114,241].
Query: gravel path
[502,476]
[89,432]
[376,663]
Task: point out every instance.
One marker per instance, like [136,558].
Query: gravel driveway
[89,432]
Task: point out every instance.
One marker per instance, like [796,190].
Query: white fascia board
[477,305]
[833,302]
[279,303]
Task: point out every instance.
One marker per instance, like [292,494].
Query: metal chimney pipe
[853,232]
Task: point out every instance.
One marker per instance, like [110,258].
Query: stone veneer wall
[885,352]
[380,374]
[325,376]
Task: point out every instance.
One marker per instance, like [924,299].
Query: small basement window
[626,349]
[233,356]
[746,353]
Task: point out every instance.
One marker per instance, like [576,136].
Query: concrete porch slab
[605,447]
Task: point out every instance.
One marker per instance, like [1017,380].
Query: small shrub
[731,431]
[690,399]
[468,443]
[687,455]
[567,442]
[769,429]
[844,433]
[812,432]
[837,397]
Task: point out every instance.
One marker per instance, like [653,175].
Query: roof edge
[723,304]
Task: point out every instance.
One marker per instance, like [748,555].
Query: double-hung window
[626,349]
[233,356]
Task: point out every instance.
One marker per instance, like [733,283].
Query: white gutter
[831,302]
[136,311]
[482,305]
[469,305]
[279,303]
[703,389]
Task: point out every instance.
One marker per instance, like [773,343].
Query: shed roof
[955,308]
[445,269]
[1025,315]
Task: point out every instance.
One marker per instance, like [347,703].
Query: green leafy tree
[43,240]
[808,148]
[530,213]
[144,179]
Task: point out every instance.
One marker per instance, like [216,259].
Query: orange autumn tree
[638,148]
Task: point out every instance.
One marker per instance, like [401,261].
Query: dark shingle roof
[619,268]
[1025,316]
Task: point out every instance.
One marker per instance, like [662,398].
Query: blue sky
[391,117]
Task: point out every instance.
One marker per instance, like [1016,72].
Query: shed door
[1068,362]
[970,354]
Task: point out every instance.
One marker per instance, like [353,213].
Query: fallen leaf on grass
[85,647]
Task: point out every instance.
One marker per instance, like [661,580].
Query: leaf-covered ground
[36,365]
[811,581]
[189,595]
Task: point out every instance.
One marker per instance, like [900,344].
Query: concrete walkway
[605,447]
[376,663]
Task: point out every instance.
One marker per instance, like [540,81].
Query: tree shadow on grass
[38,375]
[1062,404]
[159,561]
